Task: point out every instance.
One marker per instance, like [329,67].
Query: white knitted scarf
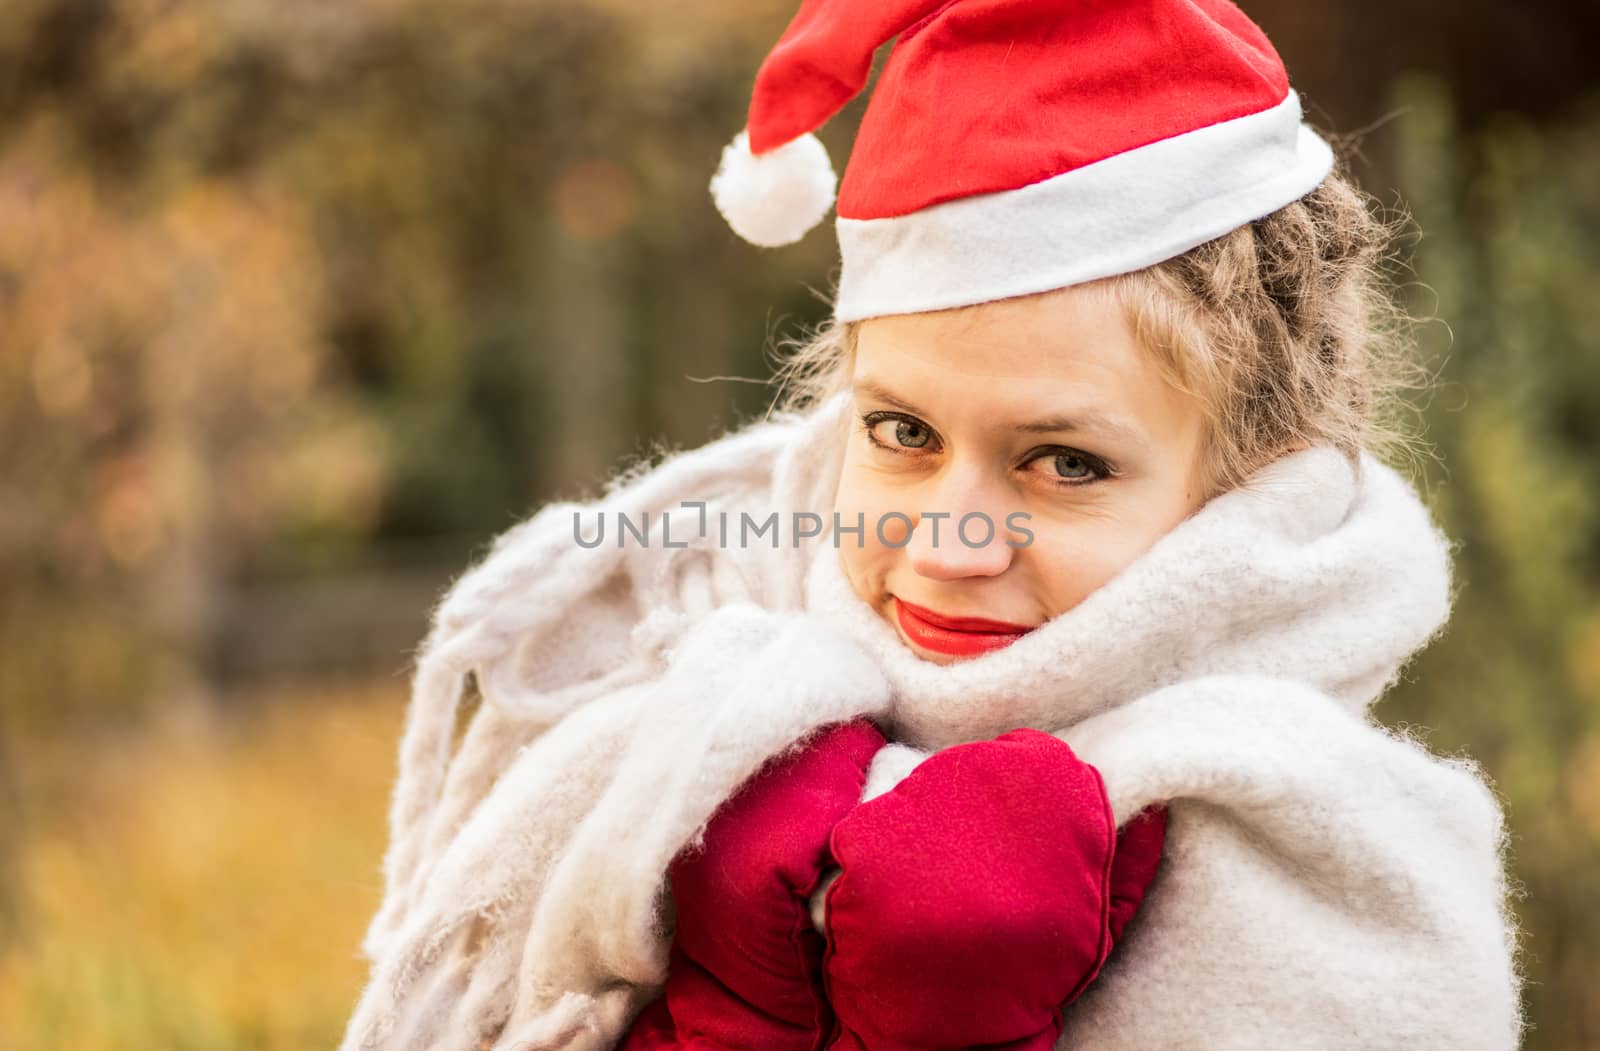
[1327,883]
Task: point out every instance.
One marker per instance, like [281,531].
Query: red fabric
[979,96]
[1139,846]
[746,963]
[978,897]
[821,62]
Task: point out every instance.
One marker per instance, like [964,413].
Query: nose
[960,538]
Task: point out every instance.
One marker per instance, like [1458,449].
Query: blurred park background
[303,302]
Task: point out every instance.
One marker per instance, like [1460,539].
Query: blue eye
[1071,465]
[911,435]
[909,432]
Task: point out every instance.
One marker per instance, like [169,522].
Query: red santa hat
[1016,146]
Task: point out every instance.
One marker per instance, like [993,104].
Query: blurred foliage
[279,282]
[302,303]
[1510,257]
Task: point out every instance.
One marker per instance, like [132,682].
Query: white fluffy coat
[1327,883]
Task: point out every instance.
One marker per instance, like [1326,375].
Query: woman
[1095,771]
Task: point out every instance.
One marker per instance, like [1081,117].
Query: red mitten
[745,971]
[1138,856]
[978,897]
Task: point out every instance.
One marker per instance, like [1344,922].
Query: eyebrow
[1078,421]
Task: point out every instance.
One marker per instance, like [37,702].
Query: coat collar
[1313,571]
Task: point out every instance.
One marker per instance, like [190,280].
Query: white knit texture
[1327,883]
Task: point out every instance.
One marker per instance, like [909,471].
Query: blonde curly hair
[1284,329]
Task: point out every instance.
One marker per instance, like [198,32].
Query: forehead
[1072,352]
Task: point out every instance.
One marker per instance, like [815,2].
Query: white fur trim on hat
[1129,211]
[777,197]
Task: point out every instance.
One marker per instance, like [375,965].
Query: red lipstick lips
[956,636]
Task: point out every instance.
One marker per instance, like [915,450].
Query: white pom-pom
[774,199]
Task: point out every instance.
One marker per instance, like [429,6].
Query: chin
[932,657]
[882,602]
[886,611]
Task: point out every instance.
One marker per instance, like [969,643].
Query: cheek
[1077,554]
[1074,559]
[862,497]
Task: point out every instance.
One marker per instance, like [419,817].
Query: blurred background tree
[302,303]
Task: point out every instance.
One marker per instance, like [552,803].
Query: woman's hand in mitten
[745,970]
[978,897]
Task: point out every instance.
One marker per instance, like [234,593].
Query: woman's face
[1040,415]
